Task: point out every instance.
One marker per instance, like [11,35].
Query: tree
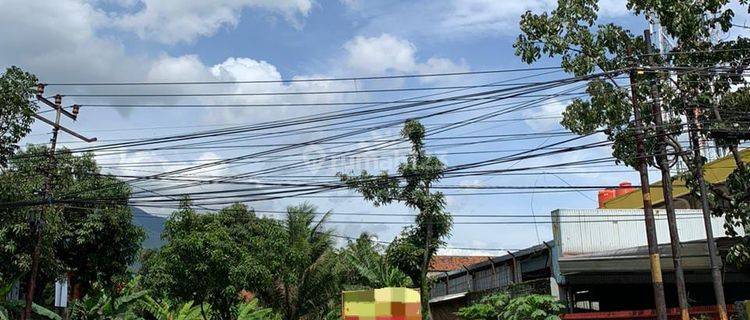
[16,109]
[307,281]
[207,258]
[705,75]
[289,265]
[414,248]
[369,266]
[94,241]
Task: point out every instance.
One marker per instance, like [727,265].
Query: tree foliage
[706,78]
[414,248]
[307,281]
[16,109]
[501,307]
[207,258]
[489,307]
[368,266]
[93,241]
[289,265]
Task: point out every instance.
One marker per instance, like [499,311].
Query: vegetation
[501,307]
[290,265]
[572,33]
[489,307]
[95,242]
[369,267]
[16,114]
[412,251]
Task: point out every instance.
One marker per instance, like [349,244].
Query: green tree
[307,280]
[16,109]
[95,241]
[207,258]
[414,248]
[369,267]
[705,75]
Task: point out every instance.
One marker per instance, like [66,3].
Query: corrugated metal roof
[500,259]
[585,231]
[450,263]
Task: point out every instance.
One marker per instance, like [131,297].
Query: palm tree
[307,282]
[371,267]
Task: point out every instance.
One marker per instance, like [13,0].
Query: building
[715,173]
[442,264]
[602,249]
[519,272]
[598,258]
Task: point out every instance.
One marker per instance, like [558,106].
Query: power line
[423,75]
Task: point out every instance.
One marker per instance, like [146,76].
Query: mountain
[152,224]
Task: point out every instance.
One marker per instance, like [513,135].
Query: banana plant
[102,306]
[251,311]
[164,310]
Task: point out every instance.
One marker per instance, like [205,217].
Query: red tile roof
[450,263]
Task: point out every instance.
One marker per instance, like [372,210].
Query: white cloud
[389,54]
[173,21]
[62,44]
[459,19]
[541,118]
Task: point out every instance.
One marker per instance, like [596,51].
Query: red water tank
[625,188]
[605,195]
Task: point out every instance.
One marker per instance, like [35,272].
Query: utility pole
[666,185]
[648,210]
[38,222]
[713,252]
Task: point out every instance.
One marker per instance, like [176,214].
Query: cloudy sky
[67,41]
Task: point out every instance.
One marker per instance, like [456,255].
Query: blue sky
[143,40]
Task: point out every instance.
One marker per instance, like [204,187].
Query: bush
[501,307]
[533,307]
[489,307]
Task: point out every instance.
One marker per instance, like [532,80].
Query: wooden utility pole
[713,251]
[648,211]
[666,185]
[38,221]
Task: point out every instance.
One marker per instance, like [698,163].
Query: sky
[68,41]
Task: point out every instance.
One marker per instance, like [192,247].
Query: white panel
[594,230]
[61,294]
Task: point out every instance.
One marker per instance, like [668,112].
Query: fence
[706,312]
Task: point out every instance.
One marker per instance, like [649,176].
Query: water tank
[605,195]
[625,188]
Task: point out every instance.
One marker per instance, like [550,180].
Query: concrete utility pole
[648,211]
[713,251]
[38,222]
[666,185]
